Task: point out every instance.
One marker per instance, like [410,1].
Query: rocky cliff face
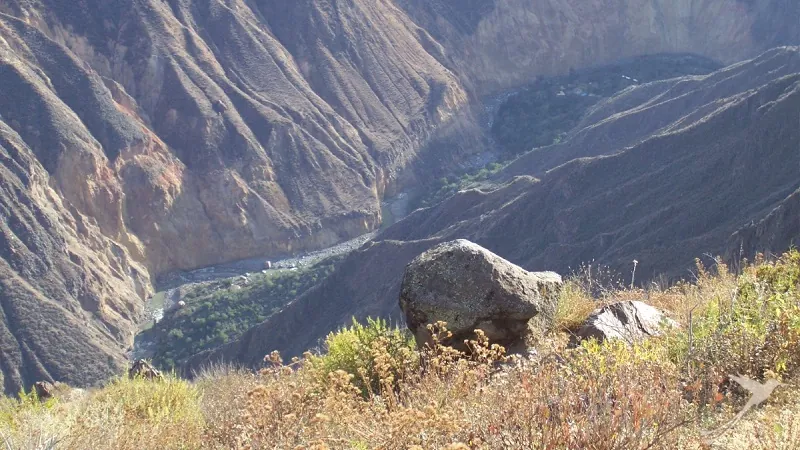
[502,43]
[66,289]
[156,135]
[661,173]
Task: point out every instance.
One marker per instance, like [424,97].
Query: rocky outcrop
[468,287]
[144,369]
[44,390]
[630,321]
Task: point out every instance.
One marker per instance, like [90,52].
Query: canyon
[140,137]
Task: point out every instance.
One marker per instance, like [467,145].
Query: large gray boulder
[630,321]
[470,288]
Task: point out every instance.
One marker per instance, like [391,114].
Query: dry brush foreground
[369,387]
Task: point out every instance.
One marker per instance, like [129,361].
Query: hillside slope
[187,135]
[176,134]
[682,166]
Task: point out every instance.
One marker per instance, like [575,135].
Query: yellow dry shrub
[137,414]
[574,306]
[27,423]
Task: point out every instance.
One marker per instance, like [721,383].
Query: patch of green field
[220,311]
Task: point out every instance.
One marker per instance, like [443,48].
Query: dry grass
[29,424]
[225,395]
[370,391]
[136,414]
[597,395]
[775,427]
[126,414]
[575,305]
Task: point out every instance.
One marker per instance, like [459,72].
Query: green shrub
[752,329]
[377,355]
[175,334]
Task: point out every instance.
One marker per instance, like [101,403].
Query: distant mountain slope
[502,43]
[174,134]
[780,229]
[681,166]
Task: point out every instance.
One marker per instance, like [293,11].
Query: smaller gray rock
[470,288]
[630,321]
